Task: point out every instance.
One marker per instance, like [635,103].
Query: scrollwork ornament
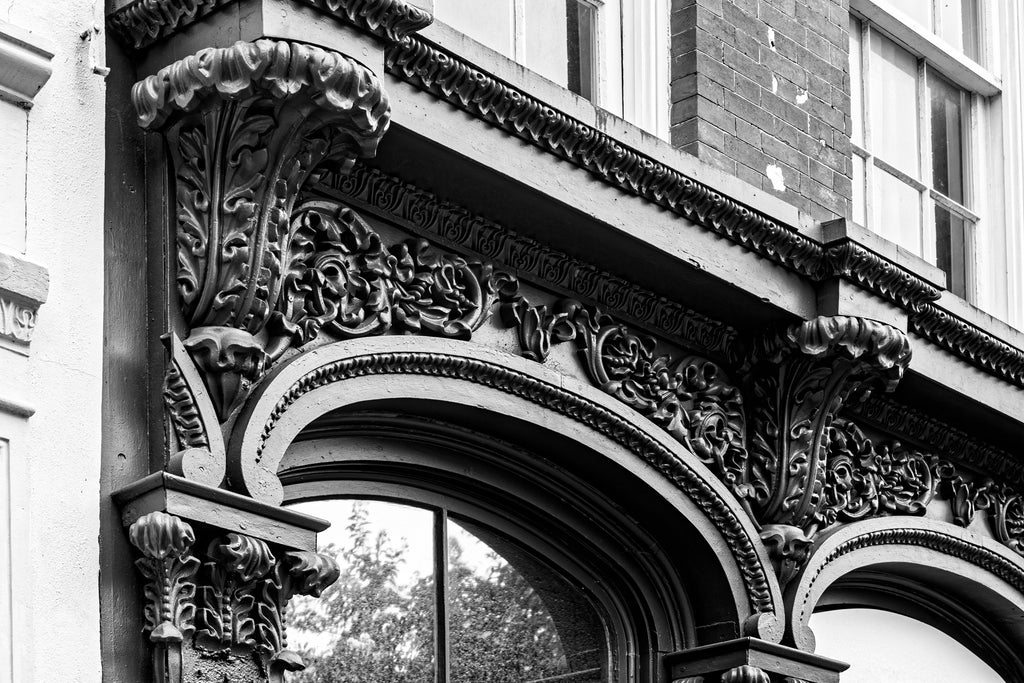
[340,277]
[689,397]
[864,481]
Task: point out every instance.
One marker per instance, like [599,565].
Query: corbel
[219,570]
[798,380]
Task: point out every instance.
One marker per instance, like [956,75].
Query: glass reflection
[376,623]
[512,620]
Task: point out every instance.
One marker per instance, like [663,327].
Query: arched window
[464,555]
[885,646]
[428,595]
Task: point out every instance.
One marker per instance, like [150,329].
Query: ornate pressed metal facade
[346,246]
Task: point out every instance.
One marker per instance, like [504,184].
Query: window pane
[947,138]
[859,209]
[896,211]
[951,250]
[959,25]
[856,82]
[894,117]
[918,10]
[581,28]
[883,646]
[488,22]
[376,623]
[513,620]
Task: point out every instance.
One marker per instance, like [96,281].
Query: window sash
[871,167]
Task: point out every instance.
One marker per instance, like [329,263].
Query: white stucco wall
[55,454]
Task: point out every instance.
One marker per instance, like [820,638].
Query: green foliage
[373,627]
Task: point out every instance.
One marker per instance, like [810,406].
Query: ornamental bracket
[798,381]
[247,127]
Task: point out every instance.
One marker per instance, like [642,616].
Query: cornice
[969,342]
[425,212]
[937,436]
[144,22]
[857,264]
[442,73]
[24,64]
[450,78]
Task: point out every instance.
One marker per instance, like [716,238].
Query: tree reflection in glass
[501,615]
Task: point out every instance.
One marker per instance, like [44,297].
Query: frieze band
[144,22]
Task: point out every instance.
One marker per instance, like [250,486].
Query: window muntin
[424,596]
[910,139]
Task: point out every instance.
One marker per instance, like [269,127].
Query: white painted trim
[962,71]
[646,82]
[24,64]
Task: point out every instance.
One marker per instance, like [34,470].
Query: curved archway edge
[919,547]
[319,381]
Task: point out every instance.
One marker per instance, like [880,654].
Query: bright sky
[883,646]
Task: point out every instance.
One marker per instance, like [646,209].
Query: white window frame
[932,54]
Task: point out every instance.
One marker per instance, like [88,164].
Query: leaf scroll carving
[169,568]
[690,397]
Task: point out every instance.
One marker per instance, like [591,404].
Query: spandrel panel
[376,623]
[513,620]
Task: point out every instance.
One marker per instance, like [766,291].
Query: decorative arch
[350,374]
[931,570]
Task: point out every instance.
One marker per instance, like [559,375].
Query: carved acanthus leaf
[800,380]
[247,126]
[298,573]
[169,568]
[227,619]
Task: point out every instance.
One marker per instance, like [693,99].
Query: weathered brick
[683,110]
[748,45]
[783,25]
[743,64]
[750,175]
[747,154]
[748,111]
[843,185]
[780,151]
[783,67]
[749,132]
[684,87]
[818,45]
[744,21]
[743,105]
[748,89]
[788,112]
[820,173]
[713,6]
[684,18]
[716,114]
[684,41]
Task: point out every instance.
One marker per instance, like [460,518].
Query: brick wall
[761,89]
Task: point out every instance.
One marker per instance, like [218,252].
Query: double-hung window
[913,139]
[611,52]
